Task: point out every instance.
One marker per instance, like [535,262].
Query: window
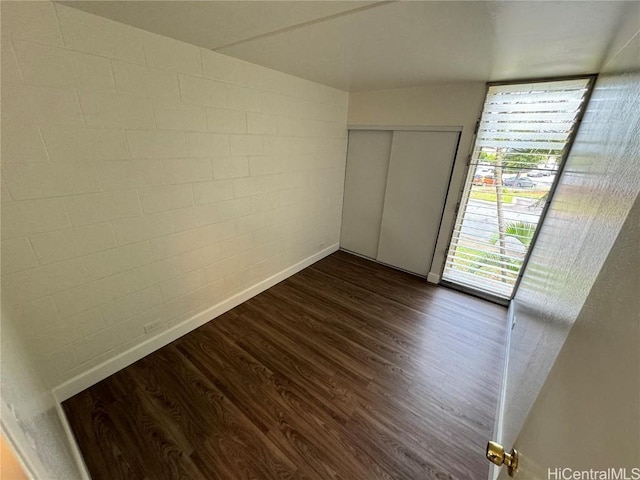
[523,137]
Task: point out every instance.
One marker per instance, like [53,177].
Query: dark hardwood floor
[347,370]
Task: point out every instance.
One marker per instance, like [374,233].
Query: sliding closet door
[366,177]
[417,183]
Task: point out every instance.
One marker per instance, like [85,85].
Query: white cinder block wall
[146,179]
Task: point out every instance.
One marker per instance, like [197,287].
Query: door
[417,185]
[396,184]
[364,188]
[587,414]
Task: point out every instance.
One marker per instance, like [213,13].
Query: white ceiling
[371,45]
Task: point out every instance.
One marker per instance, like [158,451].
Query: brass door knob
[497,455]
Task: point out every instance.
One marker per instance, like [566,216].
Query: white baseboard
[71,440]
[86,379]
[433,278]
[499,421]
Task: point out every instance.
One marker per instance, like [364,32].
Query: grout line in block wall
[55,304]
[44,143]
[126,141]
[6,189]
[144,51]
[142,215]
[35,255]
[113,77]
[58,25]
[66,212]
[12,51]
[77,97]
[201,62]
[113,74]
[193,195]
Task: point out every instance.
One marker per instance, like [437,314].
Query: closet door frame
[415,128]
[452,189]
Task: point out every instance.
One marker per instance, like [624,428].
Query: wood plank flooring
[347,370]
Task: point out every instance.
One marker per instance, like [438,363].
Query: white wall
[143,180]
[578,300]
[453,104]
[146,180]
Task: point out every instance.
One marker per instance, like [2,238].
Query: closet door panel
[417,184]
[364,191]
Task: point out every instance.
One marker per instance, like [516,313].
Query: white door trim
[419,128]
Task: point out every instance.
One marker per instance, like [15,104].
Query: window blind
[522,137]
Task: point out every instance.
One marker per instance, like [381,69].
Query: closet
[396,184]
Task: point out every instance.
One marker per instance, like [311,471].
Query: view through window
[523,136]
